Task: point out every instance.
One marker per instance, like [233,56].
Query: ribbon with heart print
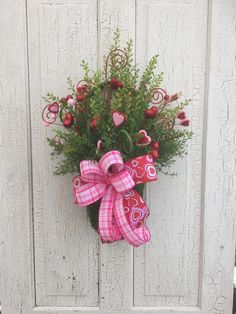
[122,211]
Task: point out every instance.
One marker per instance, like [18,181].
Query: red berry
[81,89]
[115,84]
[155,154]
[68,120]
[155,145]
[151,113]
[63,100]
[69,97]
[120,84]
[154,109]
[80,97]
[166,97]
[93,123]
[181,115]
[185,122]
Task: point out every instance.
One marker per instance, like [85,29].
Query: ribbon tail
[109,232]
[135,237]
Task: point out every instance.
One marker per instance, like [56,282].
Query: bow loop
[90,172]
[89,193]
[111,162]
[122,181]
[112,181]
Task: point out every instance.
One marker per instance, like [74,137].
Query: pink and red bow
[122,211]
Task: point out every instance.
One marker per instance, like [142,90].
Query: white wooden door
[51,260]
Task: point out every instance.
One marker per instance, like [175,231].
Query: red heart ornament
[54,107]
[118,118]
[151,113]
[181,115]
[144,140]
[154,109]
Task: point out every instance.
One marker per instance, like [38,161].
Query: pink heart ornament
[54,108]
[145,140]
[71,102]
[118,118]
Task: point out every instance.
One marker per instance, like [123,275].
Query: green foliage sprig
[86,116]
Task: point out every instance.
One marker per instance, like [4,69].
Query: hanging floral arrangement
[116,129]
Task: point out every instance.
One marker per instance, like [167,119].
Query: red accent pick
[80,98]
[93,124]
[155,145]
[115,83]
[181,115]
[185,122]
[82,89]
[151,113]
[154,154]
[68,120]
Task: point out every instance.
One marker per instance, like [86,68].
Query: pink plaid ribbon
[112,180]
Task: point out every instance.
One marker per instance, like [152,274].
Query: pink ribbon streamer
[112,181]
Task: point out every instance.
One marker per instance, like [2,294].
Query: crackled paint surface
[51,260]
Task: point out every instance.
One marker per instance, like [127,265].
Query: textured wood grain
[188,266]
[61,34]
[15,213]
[220,173]
[175,202]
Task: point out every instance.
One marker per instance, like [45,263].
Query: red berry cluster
[94,123]
[115,83]
[182,117]
[82,91]
[68,120]
[154,151]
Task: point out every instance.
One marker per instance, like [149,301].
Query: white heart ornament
[145,140]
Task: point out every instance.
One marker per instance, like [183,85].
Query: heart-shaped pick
[181,115]
[144,140]
[118,118]
[54,107]
[151,113]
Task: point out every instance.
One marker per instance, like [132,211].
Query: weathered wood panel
[177,30]
[218,228]
[187,268]
[61,34]
[15,204]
